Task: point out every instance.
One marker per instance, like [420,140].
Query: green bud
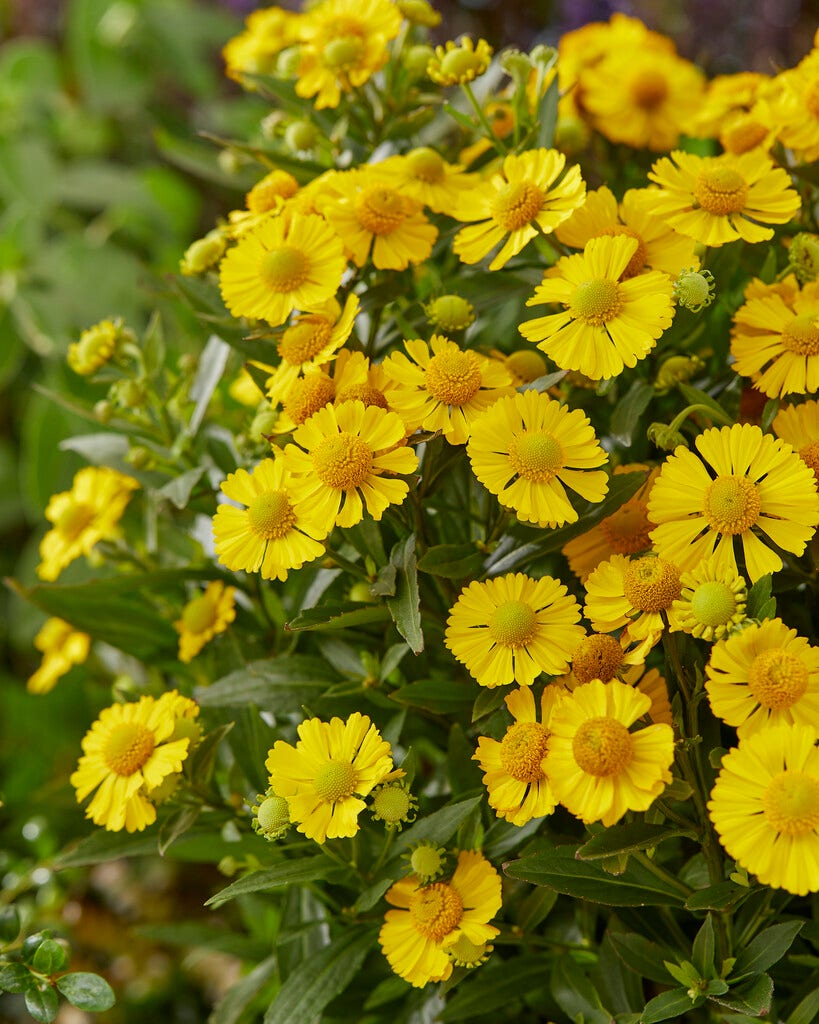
[104,411]
[187,363]
[140,457]
[516,64]
[661,435]
[301,136]
[271,816]
[427,861]
[230,161]
[803,256]
[202,254]
[269,125]
[287,63]
[416,58]
[129,394]
[264,423]
[694,289]
[393,804]
[677,370]
[450,313]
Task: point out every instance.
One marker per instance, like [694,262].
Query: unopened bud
[661,435]
[803,256]
[301,136]
[450,313]
[677,370]
[202,254]
[694,289]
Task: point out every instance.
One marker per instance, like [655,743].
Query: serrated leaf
[495,987]
[628,838]
[277,684]
[290,872]
[765,949]
[87,991]
[452,561]
[405,607]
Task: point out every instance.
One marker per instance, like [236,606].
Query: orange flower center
[536,456]
[777,679]
[284,269]
[365,393]
[304,340]
[713,603]
[453,377]
[721,190]
[128,747]
[809,454]
[271,515]
[638,260]
[436,910]
[742,135]
[199,615]
[73,519]
[335,780]
[732,504]
[343,53]
[602,746]
[426,165]
[597,657]
[626,530]
[526,365]
[513,624]
[596,301]
[649,88]
[522,751]
[801,335]
[791,803]
[517,204]
[342,461]
[308,396]
[651,584]
[380,210]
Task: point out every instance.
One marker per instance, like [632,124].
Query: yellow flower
[244,389]
[83,516]
[431,919]
[748,483]
[127,753]
[323,778]
[459,62]
[377,220]
[606,323]
[775,342]
[62,647]
[722,198]
[518,786]
[281,266]
[633,593]
[711,602]
[516,203]
[203,617]
[658,246]
[424,175]
[523,365]
[795,111]
[267,198]
[764,676]
[598,768]
[798,426]
[278,531]
[443,387]
[512,628]
[344,42]
[527,449]
[340,458]
[95,347]
[765,807]
[727,95]
[254,51]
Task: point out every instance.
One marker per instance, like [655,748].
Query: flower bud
[301,136]
[202,254]
[140,457]
[694,289]
[416,58]
[103,411]
[803,256]
[664,437]
[677,370]
[450,313]
[427,861]
[271,816]
[394,805]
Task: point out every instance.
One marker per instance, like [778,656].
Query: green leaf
[547,115]
[153,346]
[535,908]
[769,413]
[290,872]
[9,924]
[626,416]
[643,957]
[371,896]
[405,607]
[442,696]
[765,949]
[752,998]
[15,978]
[178,490]
[42,1004]
[721,896]
[696,397]
[627,839]
[452,561]
[702,952]
[438,827]
[807,1011]
[319,979]
[87,991]
[670,1004]
[488,700]
[759,596]
[177,825]
[575,994]
[235,1001]
[278,684]
[336,616]
[49,957]
[464,120]
[495,987]
[384,583]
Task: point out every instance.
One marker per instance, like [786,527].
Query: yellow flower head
[765,807]
[62,647]
[606,322]
[529,195]
[95,347]
[443,387]
[430,920]
[746,486]
[244,389]
[424,175]
[203,617]
[712,601]
[798,426]
[83,516]
[459,61]
[325,775]
[720,199]
[727,96]
[512,628]
[254,52]
[341,458]
[127,753]
[795,110]
[280,266]
[523,366]
[599,768]
[528,448]
[276,532]
[268,194]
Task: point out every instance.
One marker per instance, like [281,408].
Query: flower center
[713,603]
[460,62]
[342,461]
[536,456]
[742,135]
[380,210]
[273,814]
[308,396]
[284,269]
[777,679]
[526,365]
[597,657]
[732,504]
[271,515]
[426,861]
[335,780]
[791,803]
[648,89]
[522,751]
[809,454]
[74,519]
[426,165]
[801,335]
[596,301]
[627,529]
[436,910]
[199,615]
[453,377]
[513,624]
[638,260]
[304,340]
[721,190]
[517,204]
[343,53]
[651,584]
[811,98]
[392,804]
[365,393]
[602,746]
[128,748]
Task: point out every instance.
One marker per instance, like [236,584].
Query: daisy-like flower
[325,775]
[83,516]
[254,51]
[127,753]
[775,342]
[765,807]
[379,221]
[512,628]
[62,648]
[459,62]
[443,387]
[276,532]
[266,198]
[356,379]
[528,448]
[719,199]
[518,787]
[711,602]
[340,459]
[726,96]
[516,203]
[598,768]
[95,348]
[633,592]
[606,323]
[343,43]
[523,366]
[796,108]
[424,175]
[430,920]
[203,617]
[764,676]
[280,266]
[798,426]
[746,483]
[658,246]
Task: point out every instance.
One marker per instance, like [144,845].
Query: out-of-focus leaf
[626,416]
[575,994]
[177,825]
[443,696]
[278,684]
[235,1001]
[806,1011]
[644,957]
[42,1004]
[495,987]
[291,872]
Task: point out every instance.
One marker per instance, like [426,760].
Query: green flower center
[271,515]
[392,804]
[513,624]
[713,603]
[335,780]
[343,53]
[199,615]
[426,165]
[526,364]
[596,301]
[426,861]
[461,63]
[536,456]
[273,814]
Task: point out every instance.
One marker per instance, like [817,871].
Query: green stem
[482,118]
[662,874]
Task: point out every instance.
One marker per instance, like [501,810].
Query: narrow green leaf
[405,607]
[495,987]
[464,120]
[235,1001]
[547,115]
[153,345]
[452,561]
[177,825]
[575,994]
[278,684]
[721,896]
[806,1011]
[765,949]
[670,1004]
[87,991]
[626,416]
[702,952]
[438,827]
[332,616]
[627,839]
[290,872]
[442,696]
[42,1004]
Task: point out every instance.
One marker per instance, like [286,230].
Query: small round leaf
[49,957]
[87,991]
[42,1004]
